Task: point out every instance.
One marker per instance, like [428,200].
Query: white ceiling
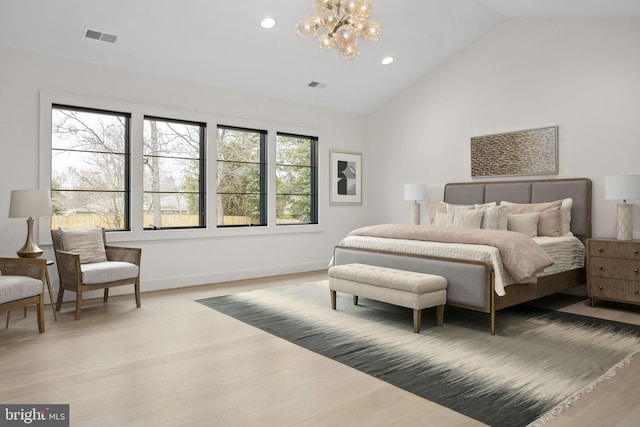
[220,43]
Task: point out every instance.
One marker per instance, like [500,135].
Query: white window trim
[138,112]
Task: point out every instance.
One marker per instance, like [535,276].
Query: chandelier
[340,23]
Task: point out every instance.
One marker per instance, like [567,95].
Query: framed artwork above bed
[526,152]
[346,178]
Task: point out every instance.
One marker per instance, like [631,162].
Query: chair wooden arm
[68,267]
[31,267]
[119,253]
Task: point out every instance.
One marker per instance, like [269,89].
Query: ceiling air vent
[317,85]
[97,35]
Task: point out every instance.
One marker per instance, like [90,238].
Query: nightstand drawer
[619,290]
[614,249]
[624,269]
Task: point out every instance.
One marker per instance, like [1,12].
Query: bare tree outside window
[173,174]
[89,168]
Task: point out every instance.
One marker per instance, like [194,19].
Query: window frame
[126,156]
[264,188]
[313,157]
[202,164]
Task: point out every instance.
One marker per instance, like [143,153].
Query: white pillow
[526,223]
[467,218]
[452,209]
[86,242]
[565,217]
[440,219]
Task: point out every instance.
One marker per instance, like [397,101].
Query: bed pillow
[494,218]
[565,217]
[440,219]
[467,218]
[436,208]
[525,223]
[451,209]
[441,213]
[549,222]
[86,242]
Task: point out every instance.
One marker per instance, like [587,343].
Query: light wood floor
[174,362]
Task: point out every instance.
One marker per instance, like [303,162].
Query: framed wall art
[346,178]
[526,152]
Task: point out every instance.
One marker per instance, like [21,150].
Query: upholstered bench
[404,288]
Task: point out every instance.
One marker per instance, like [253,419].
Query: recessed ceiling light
[386,61]
[268,23]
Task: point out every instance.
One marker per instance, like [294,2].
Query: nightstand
[613,270]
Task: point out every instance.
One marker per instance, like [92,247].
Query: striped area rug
[538,362]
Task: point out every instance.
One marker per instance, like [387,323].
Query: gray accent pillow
[86,242]
[495,218]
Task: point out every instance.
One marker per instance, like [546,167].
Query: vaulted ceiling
[220,43]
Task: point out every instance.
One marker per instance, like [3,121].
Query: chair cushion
[109,271]
[86,242]
[13,288]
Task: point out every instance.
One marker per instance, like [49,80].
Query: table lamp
[623,187]
[30,204]
[415,193]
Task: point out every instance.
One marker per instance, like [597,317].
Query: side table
[613,270]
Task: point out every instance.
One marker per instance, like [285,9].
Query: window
[241,179]
[89,168]
[296,179]
[174,171]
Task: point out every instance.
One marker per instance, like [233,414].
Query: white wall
[583,76]
[178,261]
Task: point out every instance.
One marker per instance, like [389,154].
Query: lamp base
[415,214]
[624,219]
[30,249]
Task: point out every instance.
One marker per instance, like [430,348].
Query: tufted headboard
[529,191]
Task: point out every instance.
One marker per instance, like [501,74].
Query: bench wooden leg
[439,315]
[333,300]
[417,319]
[355,300]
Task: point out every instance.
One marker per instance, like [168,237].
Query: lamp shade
[414,192]
[622,187]
[30,203]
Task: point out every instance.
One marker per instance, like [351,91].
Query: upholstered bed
[476,282]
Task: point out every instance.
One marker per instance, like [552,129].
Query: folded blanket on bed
[521,255]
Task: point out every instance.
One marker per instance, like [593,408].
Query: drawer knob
[635,270]
[599,249]
[600,267]
[600,287]
[635,252]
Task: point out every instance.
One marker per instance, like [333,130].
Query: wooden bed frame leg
[417,320]
[333,300]
[493,322]
[492,301]
[355,300]
[439,315]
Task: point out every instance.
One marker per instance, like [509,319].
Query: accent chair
[22,286]
[86,263]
